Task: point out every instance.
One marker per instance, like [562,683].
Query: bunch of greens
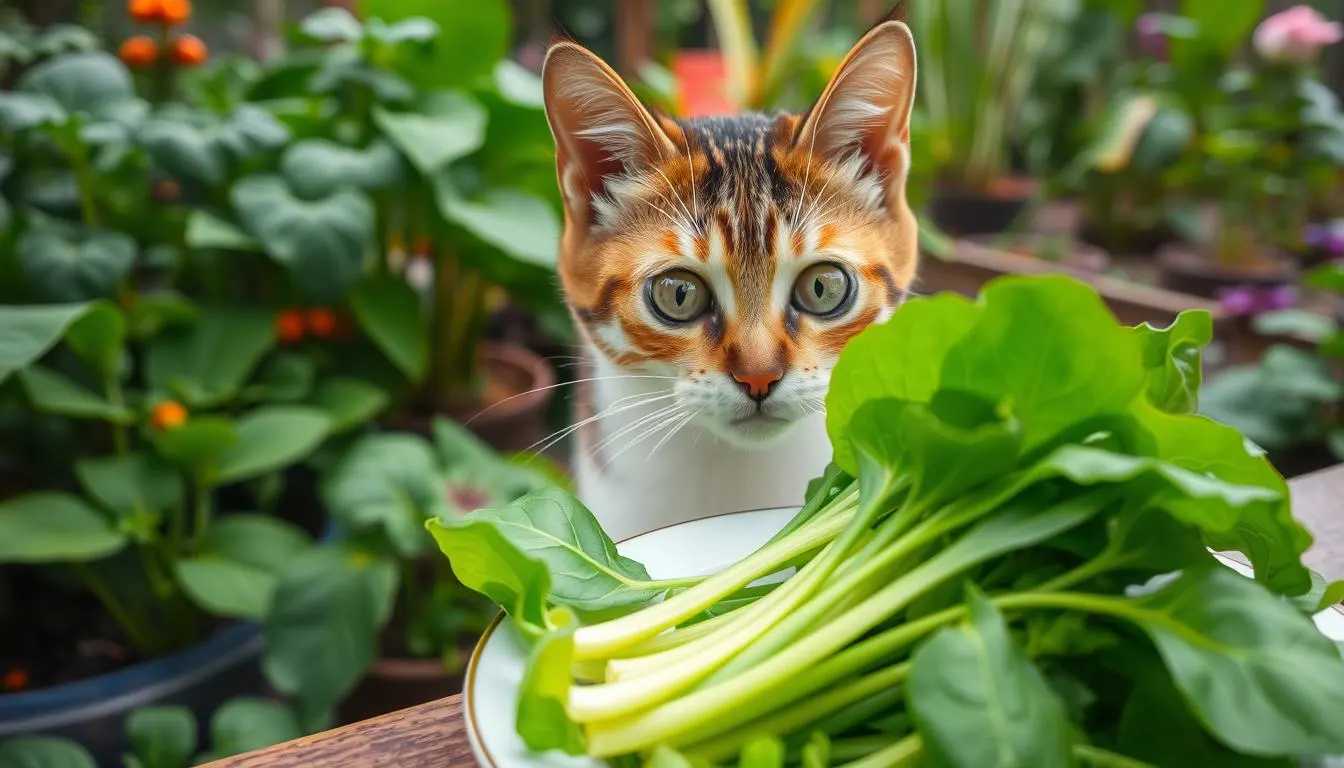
[1006,564]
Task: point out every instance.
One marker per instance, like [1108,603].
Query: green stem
[120,613]
[1102,758]
[79,162]
[202,513]
[907,751]
[117,399]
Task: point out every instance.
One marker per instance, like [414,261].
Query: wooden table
[432,735]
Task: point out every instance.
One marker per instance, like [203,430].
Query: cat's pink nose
[758,384]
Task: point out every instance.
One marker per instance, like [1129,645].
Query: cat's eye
[822,289]
[679,296]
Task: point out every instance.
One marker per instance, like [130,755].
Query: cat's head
[737,255]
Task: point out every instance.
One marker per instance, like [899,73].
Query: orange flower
[167,415]
[139,52]
[16,679]
[188,50]
[289,326]
[145,11]
[175,11]
[321,323]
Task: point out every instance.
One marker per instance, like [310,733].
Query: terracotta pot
[512,415]
[1081,257]
[395,684]
[1184,268]
[970,212]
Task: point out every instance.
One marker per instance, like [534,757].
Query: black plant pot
[959,212]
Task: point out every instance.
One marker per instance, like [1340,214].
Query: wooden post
[634,34]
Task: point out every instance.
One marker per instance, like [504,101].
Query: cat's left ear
[866,107]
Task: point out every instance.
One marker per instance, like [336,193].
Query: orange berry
[166,191]
[139,52]
[289,326]
[423,248]
[167,415]
[16,679]
[175,11]
[188,51]
[145,11]
[321,323]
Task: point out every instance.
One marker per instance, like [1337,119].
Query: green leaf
[978,700]
[388,310]
[518,223]
[763,752]
[1222,29]
[447,125]
[43,752]
[518,85]
[87,83]
[97,338]
[132,485]
[544,691]
[350,402]
[332,25]
[555,530]
[26,333]
[197,445]
[322,242]
[162,736]
[1171,360]
[472,37]
[23,111]
[240,563]
[203,147]
[1300,323]
[901,359]
[316,168]
[205,364]
[388,481]
[50,392]
[323,626]
[246,723]
[67,263]
[487,561]
[1327,277]
[271,438]
[1166,136]
[1258,674]
[1157,727]
[407,30]
[226,588]
[205,231]
[152,312]
[286,377]
[49,527]
[1333,595]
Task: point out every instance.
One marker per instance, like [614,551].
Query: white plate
[490,696]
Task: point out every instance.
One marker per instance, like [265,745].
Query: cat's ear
[866,107]
[601,130]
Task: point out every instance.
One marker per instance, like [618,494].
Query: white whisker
[634,425]
[666,420]
[494,405]
[684,421]
[611,410]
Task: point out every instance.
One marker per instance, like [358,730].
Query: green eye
[679,296]
[822,289]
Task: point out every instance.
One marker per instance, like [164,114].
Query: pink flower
[1239,300]
[1152,38]
[1295,36]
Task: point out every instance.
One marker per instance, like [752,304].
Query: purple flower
[1152,40]
[1315,235]
[1238,301]
[1279,297]
[1334,241]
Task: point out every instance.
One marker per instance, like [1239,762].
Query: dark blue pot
[93,711]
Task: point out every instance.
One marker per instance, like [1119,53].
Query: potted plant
[407,625]
[977,62]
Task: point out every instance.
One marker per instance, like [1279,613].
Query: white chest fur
[693,474]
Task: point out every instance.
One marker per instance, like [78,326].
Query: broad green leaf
[487,561]
[316,168]
[49,527]
[1333,595]
[67,263]
[323,626]
[51,392]
[23,111]
[271,438]
[388,310]
[1298,373]
[1300,323]
[332,25]
[205,230]
[286,377]
[152,312]
[97,338]
[978,700]
[1048,350]
[472,37]
[350,402]
[131,484]
[44,752]
[162,736]
[184,150]
[27,332]
[901,358]
[516,222]
[518,85]
[1156,726]
[226,588]
[1222,28]
[446,126]
[1258,674]
[197,445]
[238,567]
[1327,277]
[388,481]
[406,30]
[1171,360]
[322,242]
[586,572]
[205,364]
[1163,140]
[542,721]
[88,82]
[260,541]
[247,723]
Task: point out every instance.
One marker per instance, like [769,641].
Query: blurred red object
[701,84]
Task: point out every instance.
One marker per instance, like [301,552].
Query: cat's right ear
[600,128]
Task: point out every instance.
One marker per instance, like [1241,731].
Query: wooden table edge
[434,734]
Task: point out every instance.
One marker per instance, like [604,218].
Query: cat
[715,268]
